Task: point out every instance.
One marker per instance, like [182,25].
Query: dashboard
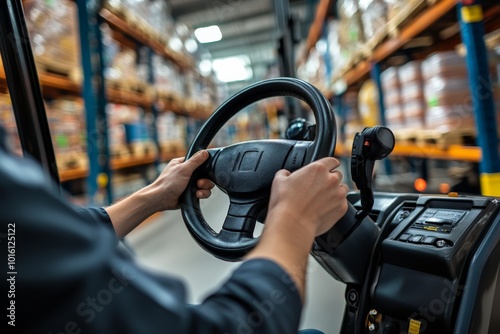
[432,268]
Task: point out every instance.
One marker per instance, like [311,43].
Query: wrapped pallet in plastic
[412,94]
[53,31]
[373,17]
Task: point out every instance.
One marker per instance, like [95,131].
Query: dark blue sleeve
[97,214]
[260,297]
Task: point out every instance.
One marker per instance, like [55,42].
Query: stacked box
[352,118]
[412,95]
[168,77]
[171,131]
[129,129]
[120,61]
[373,17]
[198,88]
[392,98]
[67,128]
[339,56]
[53,30]
[351,33]
[394,7]
[368,104]
[447,92]
[8,122]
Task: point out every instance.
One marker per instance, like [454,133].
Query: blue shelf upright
[472,30]
[94,94]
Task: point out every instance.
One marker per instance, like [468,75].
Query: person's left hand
[173,181]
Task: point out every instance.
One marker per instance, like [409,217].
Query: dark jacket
[62,273]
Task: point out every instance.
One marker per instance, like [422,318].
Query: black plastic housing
[345,250]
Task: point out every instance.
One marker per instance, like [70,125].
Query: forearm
[128,213]
[260,297]
[286,244]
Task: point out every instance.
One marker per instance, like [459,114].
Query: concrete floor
[164,244]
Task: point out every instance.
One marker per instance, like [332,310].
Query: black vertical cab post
[24,88]
[286,30]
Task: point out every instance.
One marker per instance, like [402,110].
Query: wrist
[282,216]
[150,198]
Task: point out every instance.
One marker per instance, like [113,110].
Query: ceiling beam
[248,27]
[242,40]
[221,11]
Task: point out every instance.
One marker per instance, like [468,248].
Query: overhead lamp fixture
[208,34]
[205,67]
[190,45]
[235,68]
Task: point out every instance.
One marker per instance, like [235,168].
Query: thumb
[196,160]
[282,173]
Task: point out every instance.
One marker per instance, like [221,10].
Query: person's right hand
[311,197]
[303,205]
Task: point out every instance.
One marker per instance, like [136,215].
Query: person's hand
[174,178]
[163,194]
[312,197]
[303,205]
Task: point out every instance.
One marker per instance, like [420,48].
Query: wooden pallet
[407,136]
[138,23]
[142,149]
[173,146]
[374,41]
[171,101]
[120,151]
[71,160]
[61,68]
[464,137]
[129,85]
[115,8]
[168,95]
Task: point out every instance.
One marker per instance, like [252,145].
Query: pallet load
[412,95]
[392,98]
[8,122]
[450,110]
[67,128]
[52,28]
[447,93]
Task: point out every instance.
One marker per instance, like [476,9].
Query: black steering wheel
[245,171]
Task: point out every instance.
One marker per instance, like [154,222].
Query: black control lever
[345,250]
[300,129]
[371,144]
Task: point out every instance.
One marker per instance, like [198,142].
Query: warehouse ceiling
[248,27]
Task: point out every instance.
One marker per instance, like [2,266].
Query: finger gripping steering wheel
[245,171]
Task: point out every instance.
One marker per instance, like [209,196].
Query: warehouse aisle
[164,244]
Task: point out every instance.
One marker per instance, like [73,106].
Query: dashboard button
[416,239]
[404,237]
[429,240]
[441,243]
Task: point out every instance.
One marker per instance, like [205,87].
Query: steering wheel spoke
[242,215]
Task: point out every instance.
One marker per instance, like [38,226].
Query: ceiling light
[208,34]
[232,68]
[191,45]
[175,43]
[205,67]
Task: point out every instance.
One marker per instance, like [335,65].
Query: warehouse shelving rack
[96,94]
[473,19]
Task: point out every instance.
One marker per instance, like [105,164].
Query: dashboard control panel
[425,256]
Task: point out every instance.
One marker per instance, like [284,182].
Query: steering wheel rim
[224,245]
